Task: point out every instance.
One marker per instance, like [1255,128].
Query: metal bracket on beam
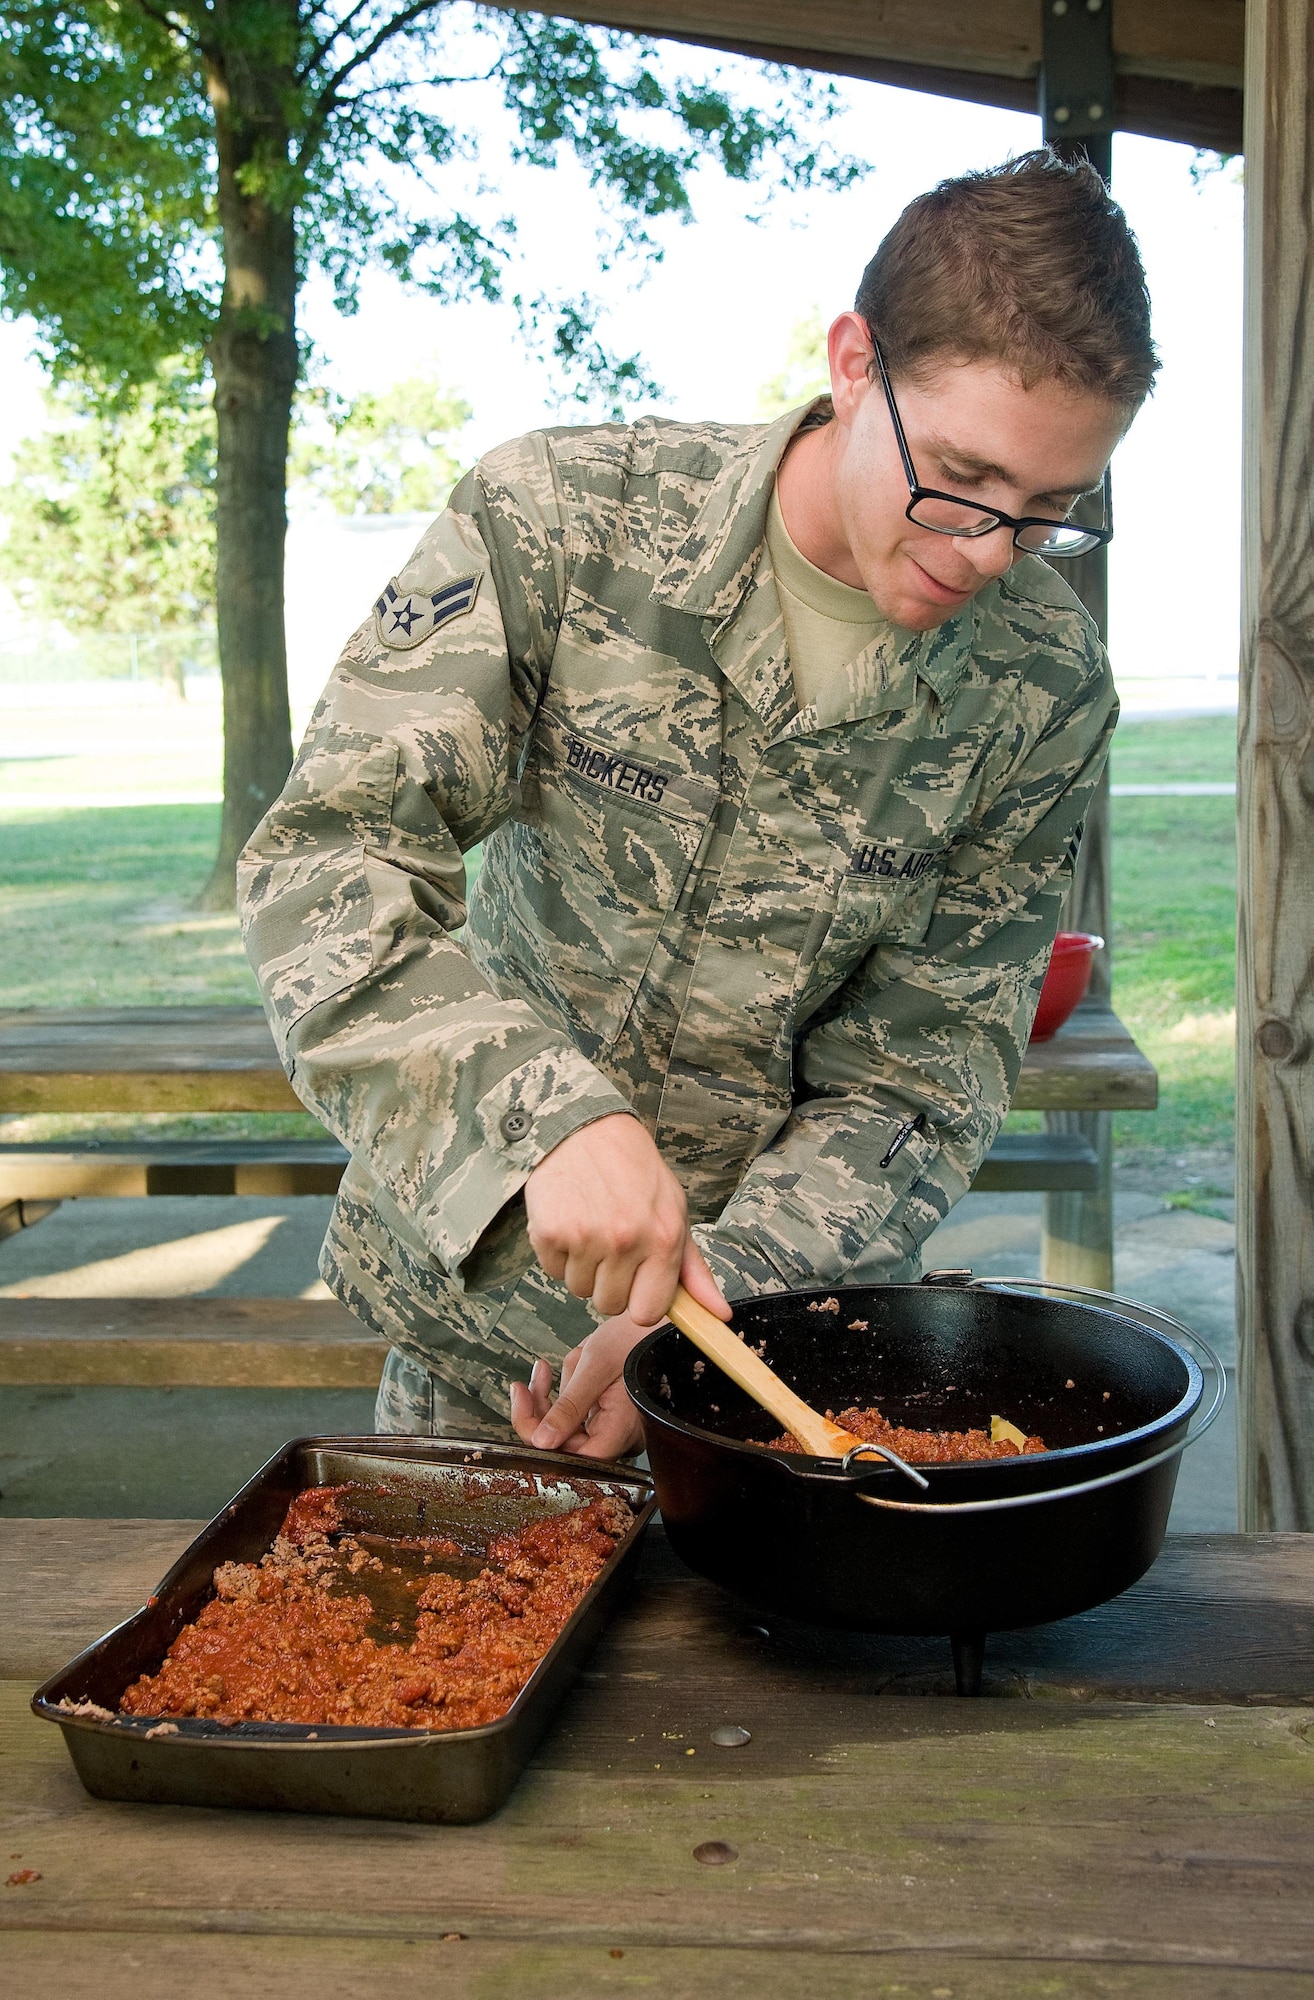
[1076,69]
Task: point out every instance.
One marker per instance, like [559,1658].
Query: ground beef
[918,1447]
[288,1639]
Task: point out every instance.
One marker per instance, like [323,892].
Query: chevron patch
[405,618]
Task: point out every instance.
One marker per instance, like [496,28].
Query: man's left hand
[592,1415]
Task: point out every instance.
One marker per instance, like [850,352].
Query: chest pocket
[884,896]
[602,847]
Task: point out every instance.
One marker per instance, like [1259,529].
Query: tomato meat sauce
[361,1629]
[920,1447]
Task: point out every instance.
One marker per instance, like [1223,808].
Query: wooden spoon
[734,1358]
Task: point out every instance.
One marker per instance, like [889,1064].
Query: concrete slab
[173,1246]
[154,1453]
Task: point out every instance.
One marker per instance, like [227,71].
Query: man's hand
[607,1216]
[593,1415]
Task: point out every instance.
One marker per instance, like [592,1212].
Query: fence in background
[168,659]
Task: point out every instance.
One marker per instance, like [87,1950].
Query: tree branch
[322,47]
[411,83]
[396,26]
[167,19]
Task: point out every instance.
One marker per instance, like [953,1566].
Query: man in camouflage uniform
[770,957]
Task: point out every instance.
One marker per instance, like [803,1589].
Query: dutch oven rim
[807,1467]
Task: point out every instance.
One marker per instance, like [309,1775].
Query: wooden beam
[1275,871]
[1191,41]
[1179,65]
[186,1343]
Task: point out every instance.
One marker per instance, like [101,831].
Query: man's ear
[848,345]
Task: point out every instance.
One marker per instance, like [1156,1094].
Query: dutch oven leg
[969,1659]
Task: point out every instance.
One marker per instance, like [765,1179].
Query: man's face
[972,431]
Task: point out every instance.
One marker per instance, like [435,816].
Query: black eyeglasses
[946,514]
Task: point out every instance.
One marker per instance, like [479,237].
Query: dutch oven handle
[1148,1315]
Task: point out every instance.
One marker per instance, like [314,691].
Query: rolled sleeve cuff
[526,1113]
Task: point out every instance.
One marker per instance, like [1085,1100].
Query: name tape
[906,864]
[616,773]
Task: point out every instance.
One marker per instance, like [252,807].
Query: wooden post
[1275,792]
[1076,1245]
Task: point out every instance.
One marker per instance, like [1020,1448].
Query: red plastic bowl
[1066,980]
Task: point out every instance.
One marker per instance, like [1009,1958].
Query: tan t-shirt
[827,623]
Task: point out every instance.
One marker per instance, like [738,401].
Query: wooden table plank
[1219,1618]
[1091,1064]
[223,1059]
[140,1059]
[1073,1846]
[187,1343]
[97,1965]
[1028,1830]
[275,1167]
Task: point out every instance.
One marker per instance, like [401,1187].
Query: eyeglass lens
[957,517]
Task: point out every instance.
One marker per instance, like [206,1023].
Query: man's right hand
[608,1218]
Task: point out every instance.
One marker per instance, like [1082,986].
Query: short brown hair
[1031,264]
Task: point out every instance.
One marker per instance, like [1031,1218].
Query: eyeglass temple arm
[899,438]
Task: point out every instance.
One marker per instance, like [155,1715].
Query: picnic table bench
[222,1059]
[1128,1813]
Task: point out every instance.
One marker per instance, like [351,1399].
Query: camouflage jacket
[778,938]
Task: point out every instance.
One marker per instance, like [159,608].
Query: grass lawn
[1200,749]
[1174,916]
[95,911]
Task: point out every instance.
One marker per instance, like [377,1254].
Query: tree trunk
[253,356]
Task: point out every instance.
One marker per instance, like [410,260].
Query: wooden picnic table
[222,1059]
[1129,1811]
[199,1059]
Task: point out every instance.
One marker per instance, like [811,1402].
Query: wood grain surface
[140,1059]
[1070,1846]
[1275,800]
[187,1343]
[1091,1064]
[223,1059]
[1178,63]
[1007,1831]
[1195,41]
[1220,1618]
[99,1965]
[273,1167]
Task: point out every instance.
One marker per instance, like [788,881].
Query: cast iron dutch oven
[963,1549]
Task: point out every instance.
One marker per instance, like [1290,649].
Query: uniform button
[515,1125]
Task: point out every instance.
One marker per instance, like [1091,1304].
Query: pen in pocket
[903,1135]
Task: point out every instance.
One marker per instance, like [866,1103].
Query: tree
[170,170]
[110,515]
[806,371]
[385,454]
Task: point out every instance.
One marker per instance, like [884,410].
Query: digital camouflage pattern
[775,937]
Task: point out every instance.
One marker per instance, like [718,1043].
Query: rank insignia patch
[403,618]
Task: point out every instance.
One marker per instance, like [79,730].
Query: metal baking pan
[429,1486]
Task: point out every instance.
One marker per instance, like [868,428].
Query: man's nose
[990,555]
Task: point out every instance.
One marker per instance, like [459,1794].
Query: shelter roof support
[1275,970]
[1177,68]
[1076,112]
